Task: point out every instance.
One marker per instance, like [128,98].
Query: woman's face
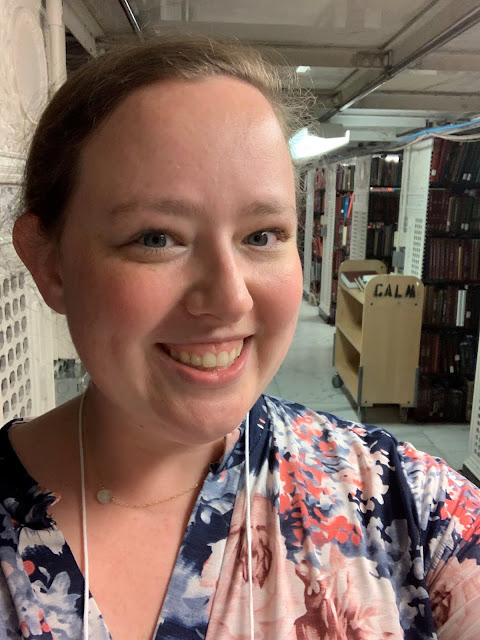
[178,260]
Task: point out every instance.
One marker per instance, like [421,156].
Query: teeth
[207,360]
[222,359]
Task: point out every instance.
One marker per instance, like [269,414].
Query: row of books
[452,306]
[383,207]
[345,177]
[319,201]
[338,258]
[343,206]
[451,213]
[452,259]
[357,279]
[386,173]
[343,233]
[441,401]
[448,354]
[455,162]
[380,240]
[320,178]
[317,247]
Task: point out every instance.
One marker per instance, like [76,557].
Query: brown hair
[93,91]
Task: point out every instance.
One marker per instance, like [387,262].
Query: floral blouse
[354,537]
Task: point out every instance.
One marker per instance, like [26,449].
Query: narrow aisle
[306,377]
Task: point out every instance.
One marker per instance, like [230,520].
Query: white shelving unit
[412,221]
[307,250]
[326,281]
[358,242]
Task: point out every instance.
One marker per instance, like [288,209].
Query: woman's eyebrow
[167,206]
[185,208]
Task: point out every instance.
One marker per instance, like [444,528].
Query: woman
[160,218]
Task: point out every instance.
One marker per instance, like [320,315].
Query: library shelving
[377,337]
[342,225]
[383,207]
[451,273]
[317,234]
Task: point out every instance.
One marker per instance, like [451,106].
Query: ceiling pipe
[185,10]
[466,23]
[125,4]
[57,50]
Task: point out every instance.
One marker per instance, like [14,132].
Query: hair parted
[93,92]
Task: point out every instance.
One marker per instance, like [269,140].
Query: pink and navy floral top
[355,537]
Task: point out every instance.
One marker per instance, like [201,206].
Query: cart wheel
[337,382]
[362,414]
[404,414]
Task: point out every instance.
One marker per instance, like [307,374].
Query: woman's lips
[209,375]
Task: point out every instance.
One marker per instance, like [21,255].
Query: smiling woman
[160,218]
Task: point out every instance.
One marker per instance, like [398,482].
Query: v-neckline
[227,474]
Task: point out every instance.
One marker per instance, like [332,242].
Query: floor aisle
[306,377]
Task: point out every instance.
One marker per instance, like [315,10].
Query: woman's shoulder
[24,455]
[369,459]
[312,427]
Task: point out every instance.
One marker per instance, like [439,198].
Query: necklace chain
[105,496]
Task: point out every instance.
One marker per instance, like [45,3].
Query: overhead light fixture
[301,69]
[303,145]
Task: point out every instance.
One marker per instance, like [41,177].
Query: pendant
[104,496]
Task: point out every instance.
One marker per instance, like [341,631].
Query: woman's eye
[154,239]
[261,238]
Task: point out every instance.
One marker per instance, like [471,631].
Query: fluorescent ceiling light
[301,69]
[303,145]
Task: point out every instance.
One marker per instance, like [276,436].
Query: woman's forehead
[206,141]
[217,120]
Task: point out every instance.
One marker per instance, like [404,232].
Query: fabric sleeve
[448,508]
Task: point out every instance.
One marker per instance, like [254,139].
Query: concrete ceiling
[379,67]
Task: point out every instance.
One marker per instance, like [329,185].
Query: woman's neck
[135,461]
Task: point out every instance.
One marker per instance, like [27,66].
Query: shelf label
[396,291]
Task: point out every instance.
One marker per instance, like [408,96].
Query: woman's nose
[220,287]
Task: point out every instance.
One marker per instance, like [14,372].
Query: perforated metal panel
[307,255]
[415,247]
[327,260]
[26,365]
[473,461]
[358,242]
[413,205]
[15,363]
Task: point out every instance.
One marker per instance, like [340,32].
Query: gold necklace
[105,496]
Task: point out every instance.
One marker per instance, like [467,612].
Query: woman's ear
[39,253]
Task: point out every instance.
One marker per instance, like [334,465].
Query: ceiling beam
[450,61]
[337,57]
[431,102]
[425,36]
[82,25]
[378,121]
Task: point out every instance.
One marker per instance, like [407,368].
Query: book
[362,281]
[349,278]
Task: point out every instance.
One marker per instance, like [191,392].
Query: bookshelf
[443,248]
[377,338]
[317,234]
[383,207]
[339,198]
